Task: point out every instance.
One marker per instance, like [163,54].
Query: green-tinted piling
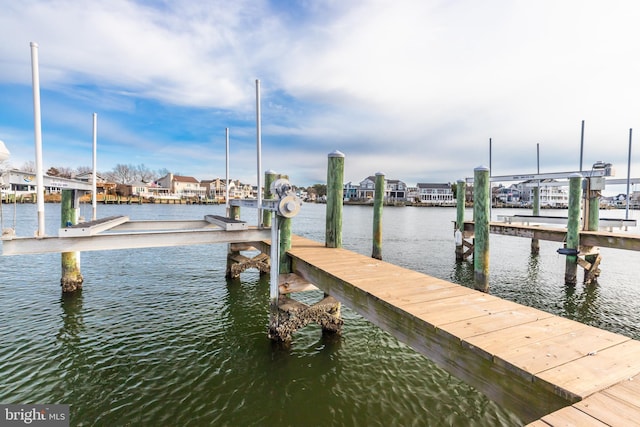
[269,178]
[481,215]
[285,245]
[71,279]
[461,189]
[535,243]
[573,228]
[335,192]
[234,213]
[594,186]
[378,201]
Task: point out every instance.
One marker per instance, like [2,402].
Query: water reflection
[462,273]
[582,306]
[72,320]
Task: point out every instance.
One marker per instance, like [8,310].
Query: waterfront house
[182,186]
[215,188]
[435,194]
[138,189]
[367,188]
[394,189]
[350,191]
[552,194]
[508,195]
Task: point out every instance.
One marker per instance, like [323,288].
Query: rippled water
[159,337]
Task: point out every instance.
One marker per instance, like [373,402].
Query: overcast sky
[413,89]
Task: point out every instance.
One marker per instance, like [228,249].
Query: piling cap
[379,173]
[481,168]
[336,153]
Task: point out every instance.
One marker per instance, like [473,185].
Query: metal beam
[92,228]
[543,176]
[102,242]
[164,225]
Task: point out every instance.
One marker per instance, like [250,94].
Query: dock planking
[547,369]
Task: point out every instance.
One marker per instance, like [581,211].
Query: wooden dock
[547,369]
[603,239]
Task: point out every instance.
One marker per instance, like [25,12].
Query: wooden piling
[71,278]
[377,216]
[233,257]
[592,215]
[335,201]
[459,231]
[573,229]
[269,178]
[335,191]
[535,243]
[285,245]
[481,215]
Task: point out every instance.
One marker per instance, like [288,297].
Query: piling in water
[481,215]
[377,216]
[573,228]
[459,231]
[535,243]
[71,278]
[335,191]
[592,214]
[269,178]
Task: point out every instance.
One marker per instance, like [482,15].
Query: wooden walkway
[547,369]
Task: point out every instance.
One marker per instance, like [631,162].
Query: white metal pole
[226,186]
[94,187]
[38,138]
[626,216]
[259,149]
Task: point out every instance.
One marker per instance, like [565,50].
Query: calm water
[159,337]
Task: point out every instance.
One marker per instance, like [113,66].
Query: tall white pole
[626,215]
[94,187]
[38,138]
[226,197]
[259,149]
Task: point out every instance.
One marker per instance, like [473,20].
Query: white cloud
[412,87]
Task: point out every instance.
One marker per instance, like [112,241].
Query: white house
[435,194]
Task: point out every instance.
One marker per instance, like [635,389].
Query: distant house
[394,189]
[435,194]
[551,194]
[88,177]
[215,188]
[509,195]
[238,190]
[182,186]
[350,191]
[136,189]
[366,189]
[102,185]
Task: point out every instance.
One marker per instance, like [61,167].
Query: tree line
[129,174]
